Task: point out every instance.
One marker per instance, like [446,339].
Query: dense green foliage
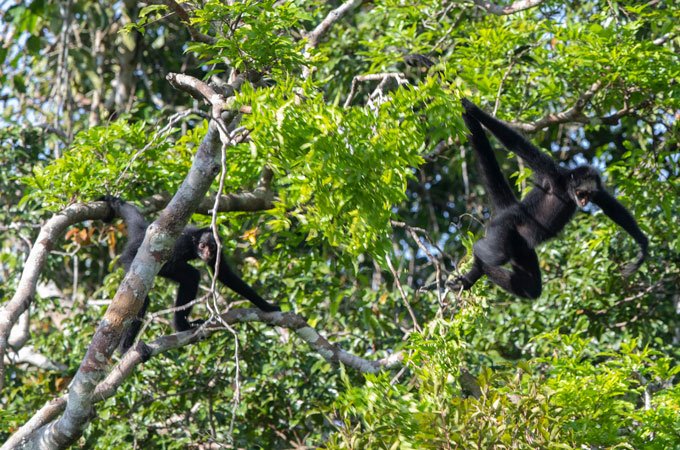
[592,363]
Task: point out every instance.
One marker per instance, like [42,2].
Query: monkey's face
[584,182]
[206,247]
[582,196]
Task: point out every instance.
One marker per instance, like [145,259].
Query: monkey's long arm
[495,182]
[133,219]
[620,215]
[512,140]
[236,284]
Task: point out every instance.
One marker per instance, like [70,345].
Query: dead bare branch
[399,77]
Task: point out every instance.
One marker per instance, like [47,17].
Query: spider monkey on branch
[193,243]
[517,227]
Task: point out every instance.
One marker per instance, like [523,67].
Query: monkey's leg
[496,247]
[188,278]
[133,330]
[524,279]
[492,250]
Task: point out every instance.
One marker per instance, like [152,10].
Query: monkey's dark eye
[581,194]
[201,245]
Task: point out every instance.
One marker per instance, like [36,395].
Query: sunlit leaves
[342,170]
[121,157]
[251,35]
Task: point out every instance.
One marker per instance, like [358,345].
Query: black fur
[518,227]
[193,243]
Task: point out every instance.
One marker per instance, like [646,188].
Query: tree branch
[572,114]
[28,355]
[157,246]
[516,7]
[315,35]
[143,352]
[399,77]
[50,232]
[260,199]
[322,28]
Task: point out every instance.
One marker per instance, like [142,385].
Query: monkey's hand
[631,268]
[114,204]
[456,284]
[429,287]
[467,104]
[472,124]
[271,308]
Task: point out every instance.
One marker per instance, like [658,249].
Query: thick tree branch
[142,353]
[519,5]
[50,232]
[152,254]
[259,199]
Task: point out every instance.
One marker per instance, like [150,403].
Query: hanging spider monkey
[193,243]
[519,226]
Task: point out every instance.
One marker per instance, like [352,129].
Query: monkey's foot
[196,323]
[429,287]
[457,284]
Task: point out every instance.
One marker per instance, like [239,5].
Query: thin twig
[403,295]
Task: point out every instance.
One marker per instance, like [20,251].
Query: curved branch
[50,232]
[143,352]
[28,355]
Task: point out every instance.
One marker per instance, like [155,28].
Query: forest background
[344,183]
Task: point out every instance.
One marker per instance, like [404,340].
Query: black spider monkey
[519,226]
[193,243]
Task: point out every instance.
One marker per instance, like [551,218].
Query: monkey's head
[584,182]
[206,247]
